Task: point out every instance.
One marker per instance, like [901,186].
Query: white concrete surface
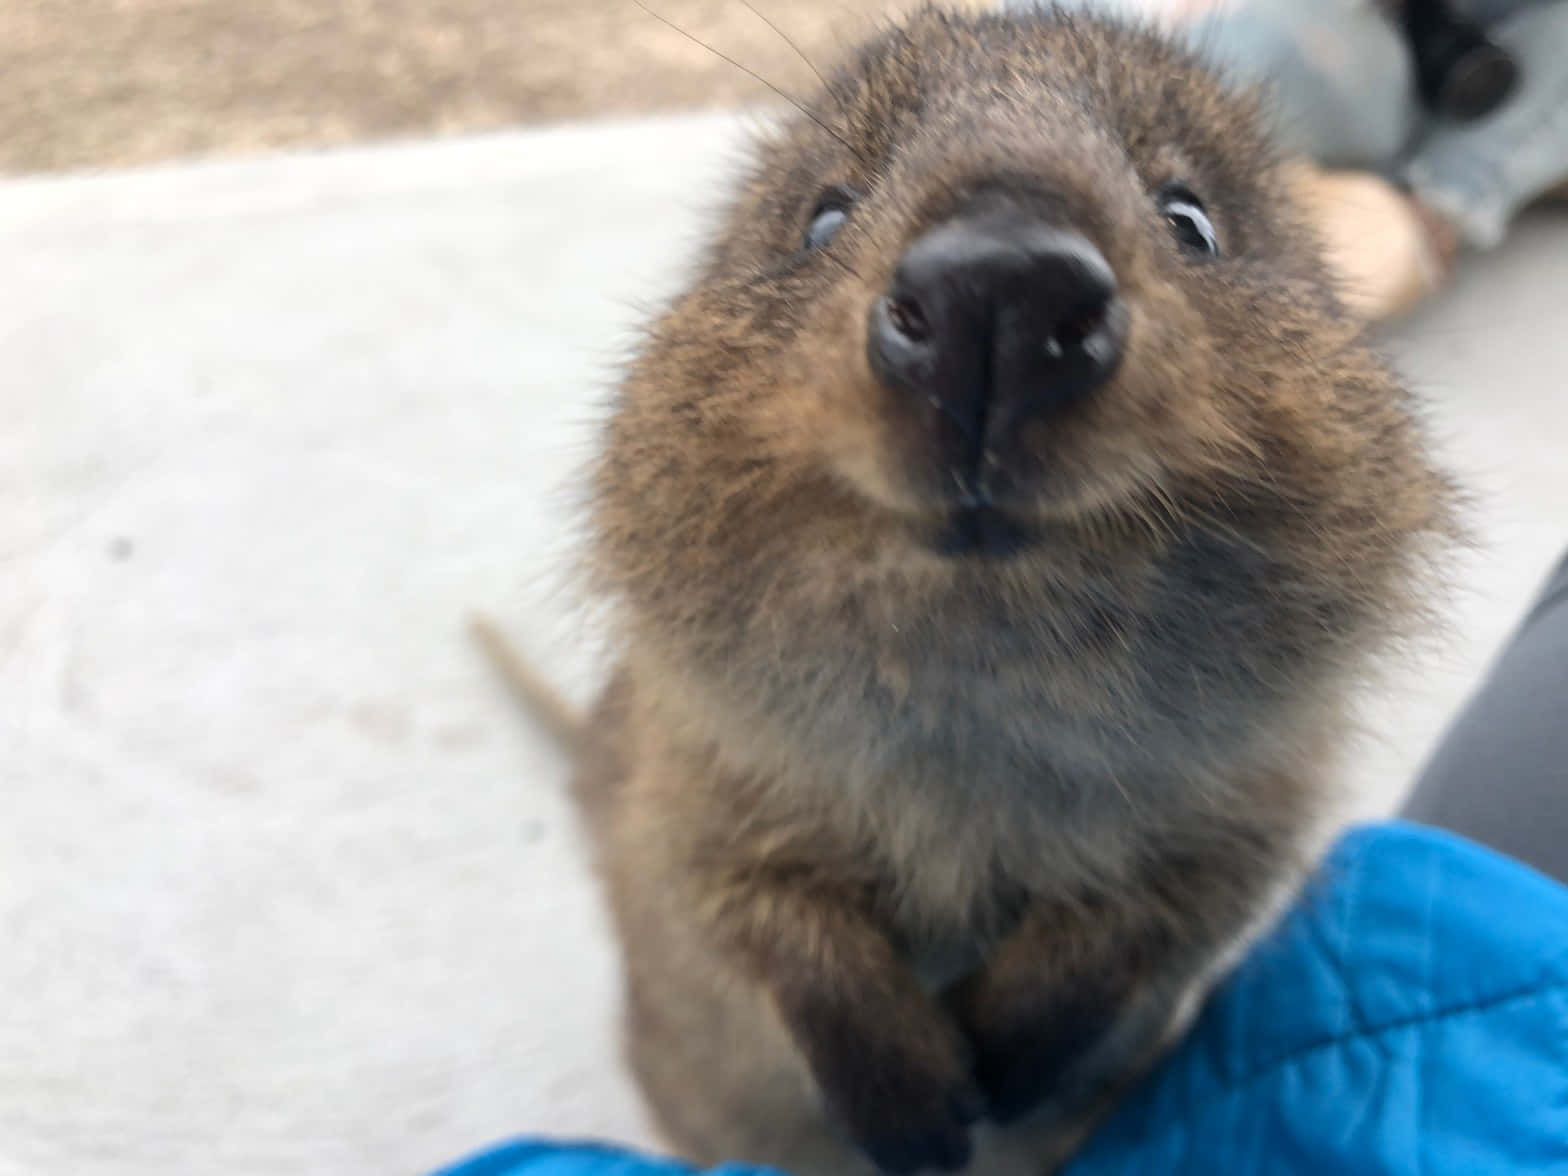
[285,883]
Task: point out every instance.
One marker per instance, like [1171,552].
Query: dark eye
[1188,221]
[829,216]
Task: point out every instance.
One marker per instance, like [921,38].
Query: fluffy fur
[897,839]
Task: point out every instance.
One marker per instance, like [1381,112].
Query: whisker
[785,37]
[843,265]
[695,40]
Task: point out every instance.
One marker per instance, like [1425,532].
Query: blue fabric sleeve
[562,1158]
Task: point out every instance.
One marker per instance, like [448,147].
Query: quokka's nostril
[908,319]
[1080,325]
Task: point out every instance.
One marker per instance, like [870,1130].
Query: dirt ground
[109,83]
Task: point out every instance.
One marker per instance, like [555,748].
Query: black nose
[995,318]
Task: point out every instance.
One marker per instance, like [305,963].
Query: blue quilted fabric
[540,1158]
[1408,1018]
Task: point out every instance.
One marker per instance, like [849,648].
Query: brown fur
[892,837]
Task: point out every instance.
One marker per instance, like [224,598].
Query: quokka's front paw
[907,1100]
[1028,1048]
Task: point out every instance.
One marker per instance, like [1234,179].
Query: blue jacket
[1409,1017]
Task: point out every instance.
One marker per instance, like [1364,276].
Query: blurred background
[309,312]
[115,83]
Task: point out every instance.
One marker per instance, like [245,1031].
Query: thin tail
[559,718]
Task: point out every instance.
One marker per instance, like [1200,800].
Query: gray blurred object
[1461,73]
[1500,775]
[1480,174]
[1339,73]
[1346,89]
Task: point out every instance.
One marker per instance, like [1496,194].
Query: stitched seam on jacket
[1543,988]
